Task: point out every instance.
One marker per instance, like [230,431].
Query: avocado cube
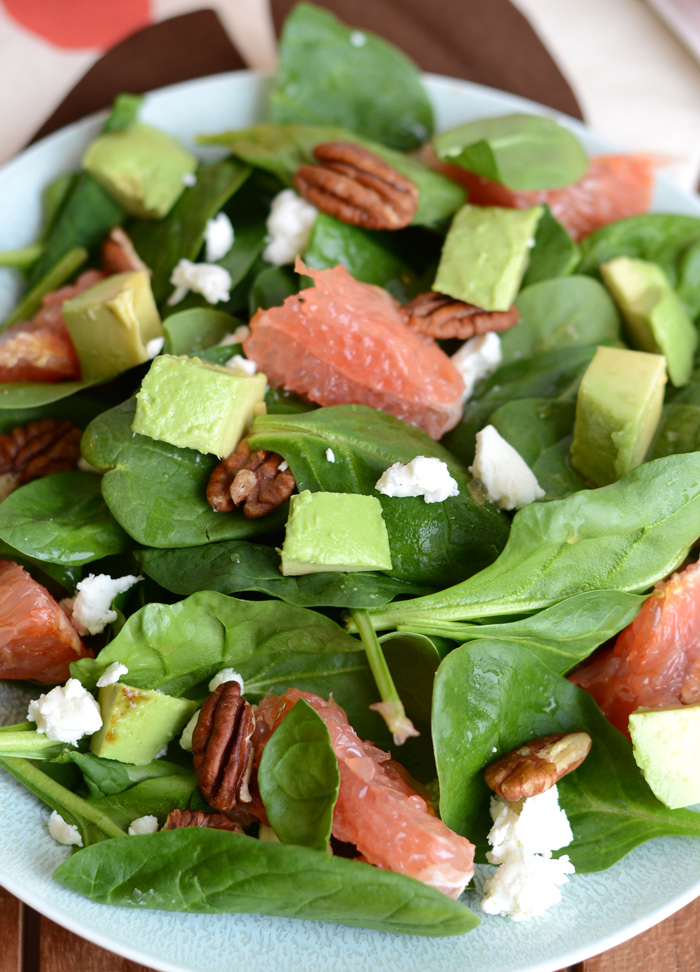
[617,412]
[141,167]
[654,315]
[111,323]
[137,723]
[486,253]
[665,744]
[197,405]
[334,531]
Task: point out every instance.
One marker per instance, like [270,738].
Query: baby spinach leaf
[523,152]
[560,312]
[281,149]
[157,491]
[179,647]
[561,635]
[37,394]
[299,779]
[271,287]
[61,519]
[237,565]
[490,698]
[430,543]
[191,331]
[156,796]
[205,870]
[678,431]
[551,374]
[180,235]
[106,777]
[553,471]
[65,575]
[331,74]
[373,258]
[622,537]
[554,254]
[54,278]
[688,284]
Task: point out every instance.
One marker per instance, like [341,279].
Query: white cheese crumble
[144,825]
[218,237]
[211,281]
[187,732]
[330,455]
[523,836]
[226,675]
[289,228]
[112,674]
[154,346]
[238,336]
[508,480]
[66,713]
[478,358]
[92,607]
[189,179]
[62,832]
[423,476]
[283,466]
[358,39]
[244,365]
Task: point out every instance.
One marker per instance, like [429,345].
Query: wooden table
[31,943]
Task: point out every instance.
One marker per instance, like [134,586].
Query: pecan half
[119,255]
[198,818]
[222,747]
[31,451]
[357,187]
[251,479]
[535,767]
[440,316]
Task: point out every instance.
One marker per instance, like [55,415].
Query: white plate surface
[598,910]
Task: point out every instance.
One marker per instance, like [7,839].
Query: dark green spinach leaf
[191,331]
[554,254]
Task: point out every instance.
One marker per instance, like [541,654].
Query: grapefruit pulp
[655,662]
[378,810]
[342,342]
[37,641]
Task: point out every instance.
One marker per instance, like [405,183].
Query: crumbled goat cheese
[63,832]
[358,39]
[245,365]
[422,476]
[508,480]
[523,836]
[289,228]
[476,359]
[92,607]
[189,179]
[238,336]
[112,674]
[187,732]
[226,675]
[66,713]
[330,455]
[283,466]
[211,281]
[144,825]
[218,237]
[154,346]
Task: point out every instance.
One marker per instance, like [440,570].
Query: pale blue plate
[598,911]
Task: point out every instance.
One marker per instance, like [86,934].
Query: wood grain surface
[31,943]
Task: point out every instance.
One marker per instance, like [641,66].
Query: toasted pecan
[440,316]
[538,765]
[38,449]
[356,186]
[222,747]
[119,254]
[198,818]
[251,479]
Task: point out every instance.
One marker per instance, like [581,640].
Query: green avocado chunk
[197,405]
[617,411]
[111,324]
[486,253]
[137,723]
[655,317]
[665,743]
[334,531]
[141,167]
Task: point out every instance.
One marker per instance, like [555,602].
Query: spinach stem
[391,707]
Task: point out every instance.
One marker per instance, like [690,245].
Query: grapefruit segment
[378,810]
[614,187]
[343,342]
[655,662]
[41,349]
[37,641]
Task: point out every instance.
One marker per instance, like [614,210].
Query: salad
[472,591]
